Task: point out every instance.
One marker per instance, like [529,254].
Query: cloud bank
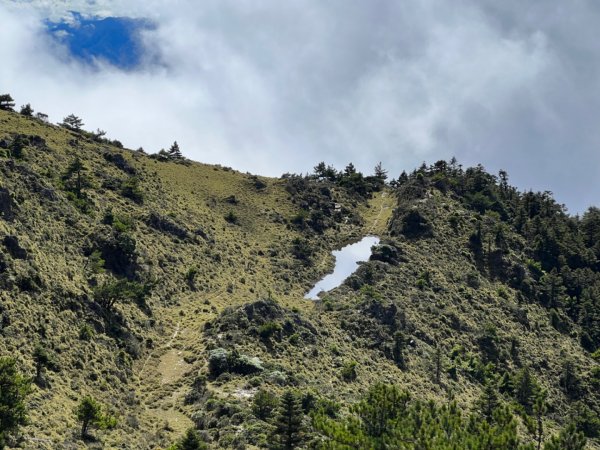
[273,87]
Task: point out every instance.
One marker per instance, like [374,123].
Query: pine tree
[568,439]
[263,404]
[175,152]
[72,122]
[539,409]
[13,390]
[76,179]
[398,349]
[349,170]
[6,102]
[88,412]
[26,110]
[489,400]
[191,441]
[525,389]
[42,359]
[288,423]
[380,172]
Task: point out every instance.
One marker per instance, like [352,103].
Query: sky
[272,87]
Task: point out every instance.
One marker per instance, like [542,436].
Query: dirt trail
[158,376]
[386,204]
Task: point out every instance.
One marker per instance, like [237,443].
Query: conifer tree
[42,359]
[525,389]
[175,152]
[489,400]
[350,170]
[13,391]
[6,102]
[568,439]
[539,409]
[89,412]
[72,122]
[398,350]
[288,423]
[76,179]
[191,441]
[380,172]
[26,110]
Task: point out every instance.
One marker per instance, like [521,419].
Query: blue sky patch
[115,40]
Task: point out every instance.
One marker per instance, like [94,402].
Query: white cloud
[272,87]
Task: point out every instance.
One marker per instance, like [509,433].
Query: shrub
[131,189]
[267,330]
[222,361]
[190,276]
[110,293]
[302,250]
[349,371]
[231,218]
[86,332]
[263,404]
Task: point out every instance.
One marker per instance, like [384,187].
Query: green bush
[348,372]
[14,389]
[86,332]
[231,218]
[269,329]
[191,441]
[222,361]
[263,404]
[131,189]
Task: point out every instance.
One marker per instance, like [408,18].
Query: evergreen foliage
[42,359]
[563,251]
[26,110]
[14,389]
[263,404]
[89,412]
[72,122]
[112,292]
[387,418]
[174,152]
[568,439]
[191,441]
[289,426]
[6,102]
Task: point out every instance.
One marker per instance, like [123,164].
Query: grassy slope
[236,268]
[246,261]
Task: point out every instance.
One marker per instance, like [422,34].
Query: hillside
[172,293]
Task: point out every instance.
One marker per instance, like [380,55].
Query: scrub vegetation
[149,301]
